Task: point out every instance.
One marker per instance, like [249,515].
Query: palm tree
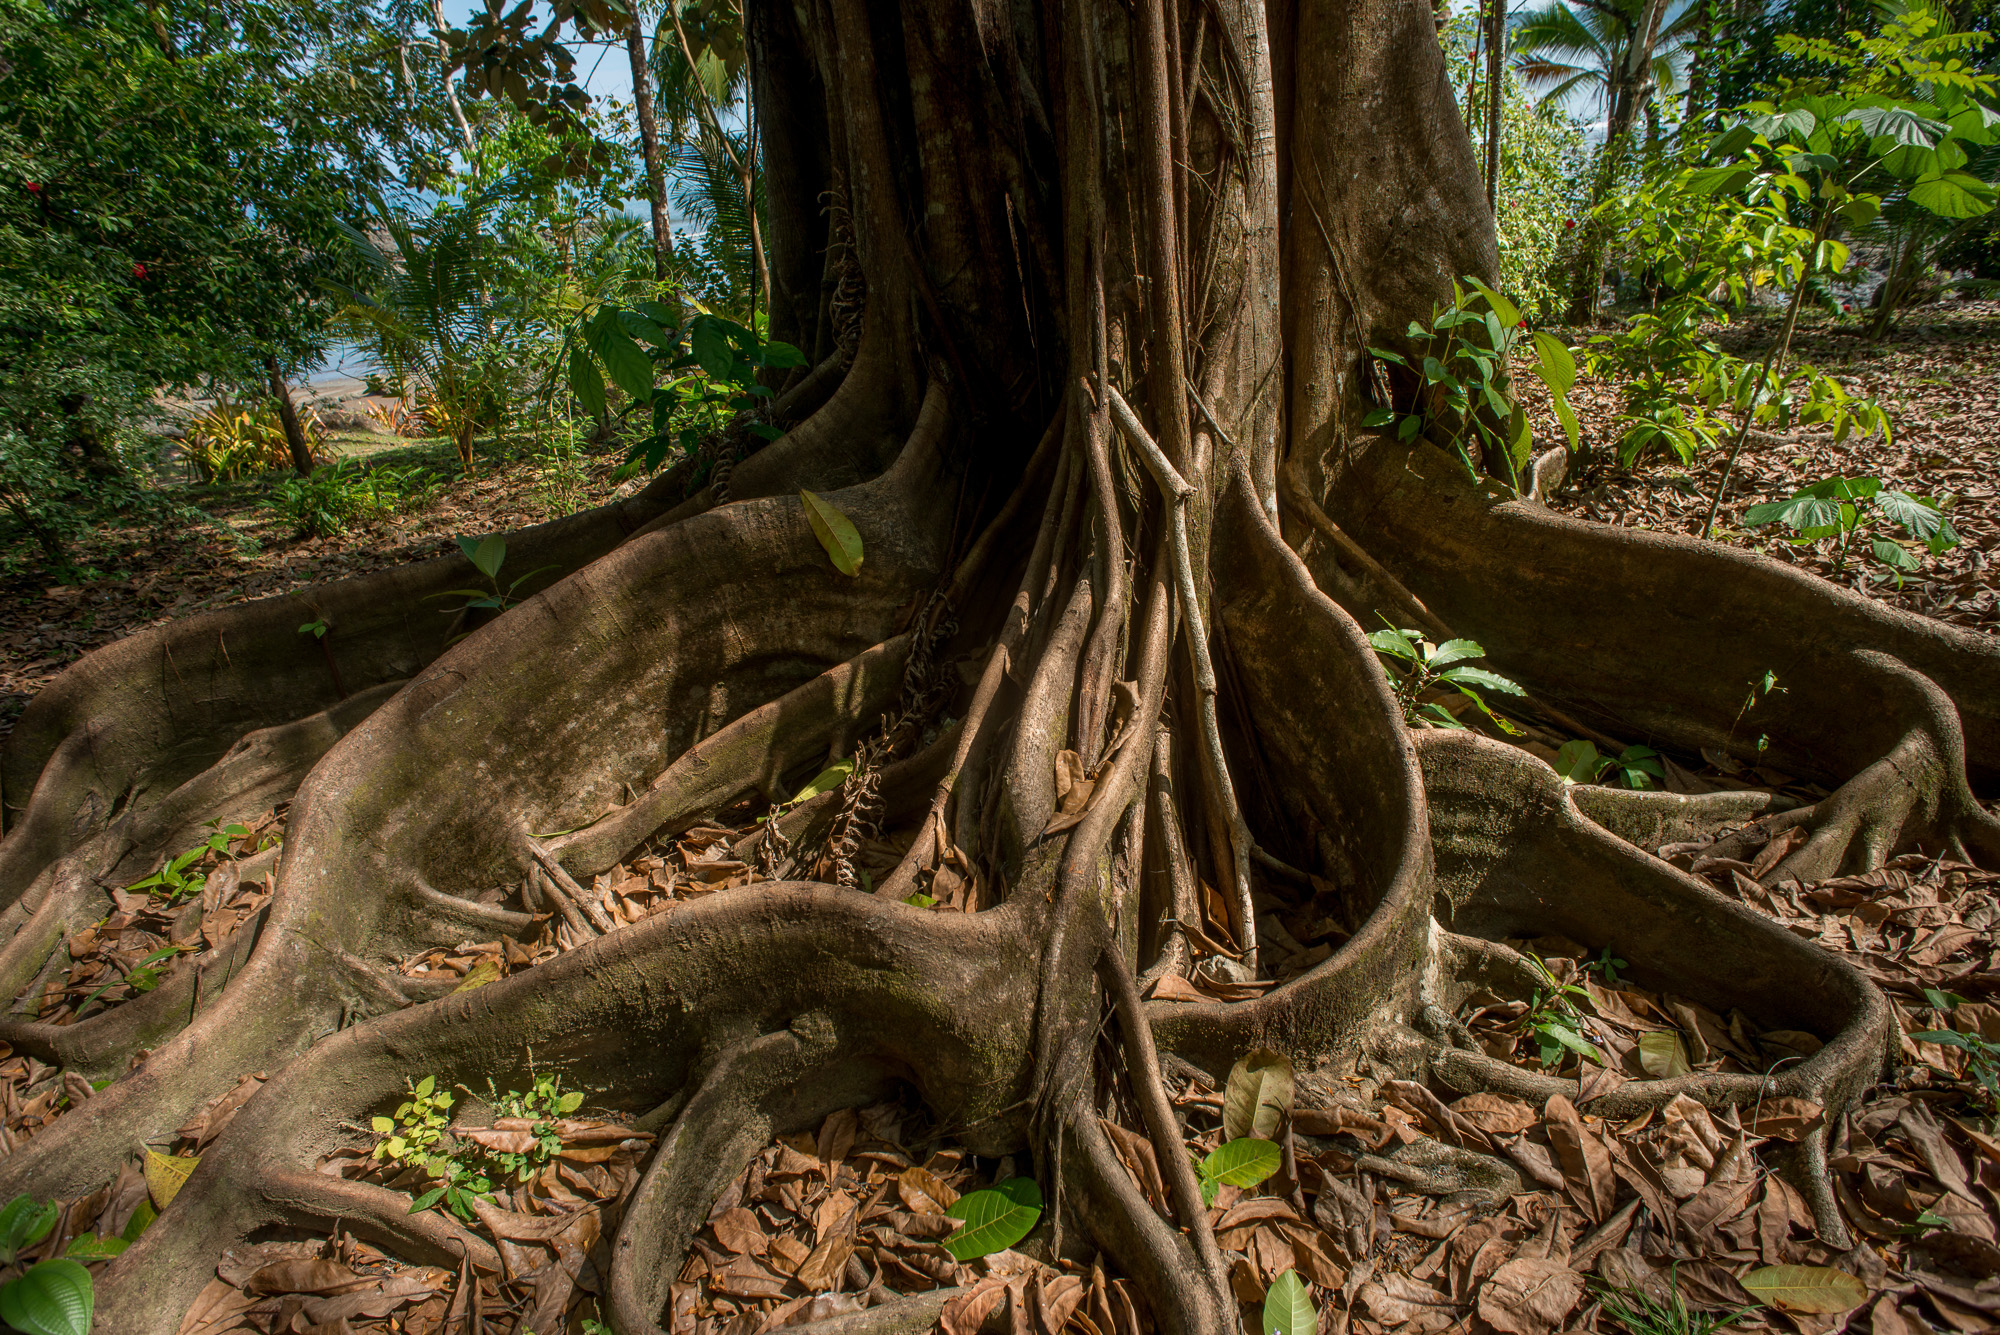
[430,314]
[1627,54]
[1565,48]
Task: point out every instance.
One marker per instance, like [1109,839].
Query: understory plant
[1848,508]
[713,365]
[1461,365]
[418,1135]
[342,494]
[1634,767]
[1416,666]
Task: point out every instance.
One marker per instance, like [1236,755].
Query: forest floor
[125,578]
[1679,1205]
[1938,375]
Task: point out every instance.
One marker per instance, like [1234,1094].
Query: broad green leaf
[994,1219]
[1569,1038]
[627,362]
[1920,517]
[1258,1095]
[1452,651]
[781,355]
[586,382]
[825,781]
[1578,762]
[1473,676]
[166,1174]
[1558,363]
[383,1125]
[1379,417]
[1952,194]
[1509,313]
[54,1298]
[1813,1289]
[640,325]
[1288,1309]
[91,1247]
[1899,125]
[710,344]
[835,533]
[1238,1163]
[1396,643]
[1893,555]
[569,1103]
[1663,1055]
[142,1219]
[487,554]
[25,1222]
[920,900]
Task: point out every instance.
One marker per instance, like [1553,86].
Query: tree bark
[1496,53]
[288,415]
[649,144]
[1097,226]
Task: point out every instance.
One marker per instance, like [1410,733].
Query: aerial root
[1154,1256]
[1149,1091]
[1215,768]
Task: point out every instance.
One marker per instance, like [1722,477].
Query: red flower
[139,272]
[1569,224]
[34,187]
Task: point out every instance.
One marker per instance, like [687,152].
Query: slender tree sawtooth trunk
[1093,287]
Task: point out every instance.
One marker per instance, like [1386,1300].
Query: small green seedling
[1243,1162]
[1416,665]
[1634,767]
[487,555]
[1553,1018]
[1842,507]
[316,628]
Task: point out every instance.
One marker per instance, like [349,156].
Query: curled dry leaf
[1258,1096]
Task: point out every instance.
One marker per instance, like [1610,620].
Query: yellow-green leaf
[825,781]
[835,533]
[1663,1054]
[1813,1289]
[166,1174]
[1258,1095]
[1288,1309]
[480,975]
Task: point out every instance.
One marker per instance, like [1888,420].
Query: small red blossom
[1847,307]
[139,272]
[1569,224]
[34,187]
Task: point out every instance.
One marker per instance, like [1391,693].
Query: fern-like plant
[430,314]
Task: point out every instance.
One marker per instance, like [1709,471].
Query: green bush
[340,495]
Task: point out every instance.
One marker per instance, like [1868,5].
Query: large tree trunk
[1094,306]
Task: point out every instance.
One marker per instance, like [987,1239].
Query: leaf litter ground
[1938,375]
